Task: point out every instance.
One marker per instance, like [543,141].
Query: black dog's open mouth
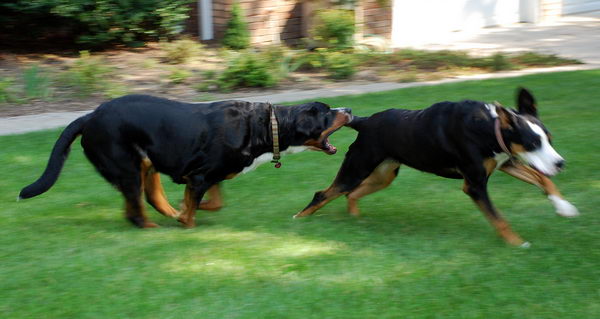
[326,146]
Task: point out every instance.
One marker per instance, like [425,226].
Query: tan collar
[275,133]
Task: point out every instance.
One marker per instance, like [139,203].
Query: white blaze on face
[544,158]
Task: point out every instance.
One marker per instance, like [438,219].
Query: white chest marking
[500,159]
[492,109]
[267,157]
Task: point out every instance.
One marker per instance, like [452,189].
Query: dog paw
[563,207]
[525,245]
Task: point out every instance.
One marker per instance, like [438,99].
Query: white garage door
[576,6]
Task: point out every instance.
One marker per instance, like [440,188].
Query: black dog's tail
[59,154]
[357,122]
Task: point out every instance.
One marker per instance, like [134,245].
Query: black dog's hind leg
[155,194]
[357,166]
[475,186]
[120,166]
[380,178]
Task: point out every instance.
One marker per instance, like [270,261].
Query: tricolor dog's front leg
[530,175]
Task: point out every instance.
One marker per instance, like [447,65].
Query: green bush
[180,51]
[87,75]
[179,76]
[236,35]
[340,65]
[247,69]
[7,93]
[500,62]
[36,83]
[97,23]
[335,27]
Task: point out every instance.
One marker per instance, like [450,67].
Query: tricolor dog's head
[527,138]
[315,122]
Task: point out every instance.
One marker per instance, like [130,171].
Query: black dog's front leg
[194,191]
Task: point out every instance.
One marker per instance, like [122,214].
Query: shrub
[178,76]
[36,84]
[246,70]
[87,75]
[340,65]
[500,62]
[538,59]
[96,23]
[180,51]
[335,27]
[7,93]
[236,35]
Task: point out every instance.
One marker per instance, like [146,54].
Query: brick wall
[269,21]
[377,19]
[280,21]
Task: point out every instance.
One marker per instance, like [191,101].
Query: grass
[420,250]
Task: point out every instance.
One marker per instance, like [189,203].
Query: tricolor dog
[131,139]
[466,140]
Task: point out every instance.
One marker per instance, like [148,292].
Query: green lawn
[420,250]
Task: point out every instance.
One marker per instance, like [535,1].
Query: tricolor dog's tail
[59,155]
[357,122]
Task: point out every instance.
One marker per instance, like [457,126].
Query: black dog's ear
[526,103]
[306,126]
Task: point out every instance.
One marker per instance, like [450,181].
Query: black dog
[130,139]
[465,140]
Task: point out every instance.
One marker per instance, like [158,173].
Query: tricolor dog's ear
[526,102]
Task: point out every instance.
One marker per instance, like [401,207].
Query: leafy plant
[340,65]
[179,76]
[538,59]
[87,75]
[246,70]
[180,51]
[236,35]
[97,23]
[36,83]
[335,27]
[500,62]
[7,93]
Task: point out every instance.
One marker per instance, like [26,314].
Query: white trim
[205,19]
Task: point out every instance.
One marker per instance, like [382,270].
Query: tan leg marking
[490,165]
[381,177]
[494,217]
[188,215]
[531,176]
[155,194]
[328,195]
[215,201]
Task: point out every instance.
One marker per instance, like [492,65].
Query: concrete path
[573,36]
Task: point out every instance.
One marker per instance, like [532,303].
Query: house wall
[269,21]
[425,21]
[377,18]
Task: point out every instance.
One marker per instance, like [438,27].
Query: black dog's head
[528,138]
[314,122]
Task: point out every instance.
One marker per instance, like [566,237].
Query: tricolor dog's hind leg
[380,178]
[355,169]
